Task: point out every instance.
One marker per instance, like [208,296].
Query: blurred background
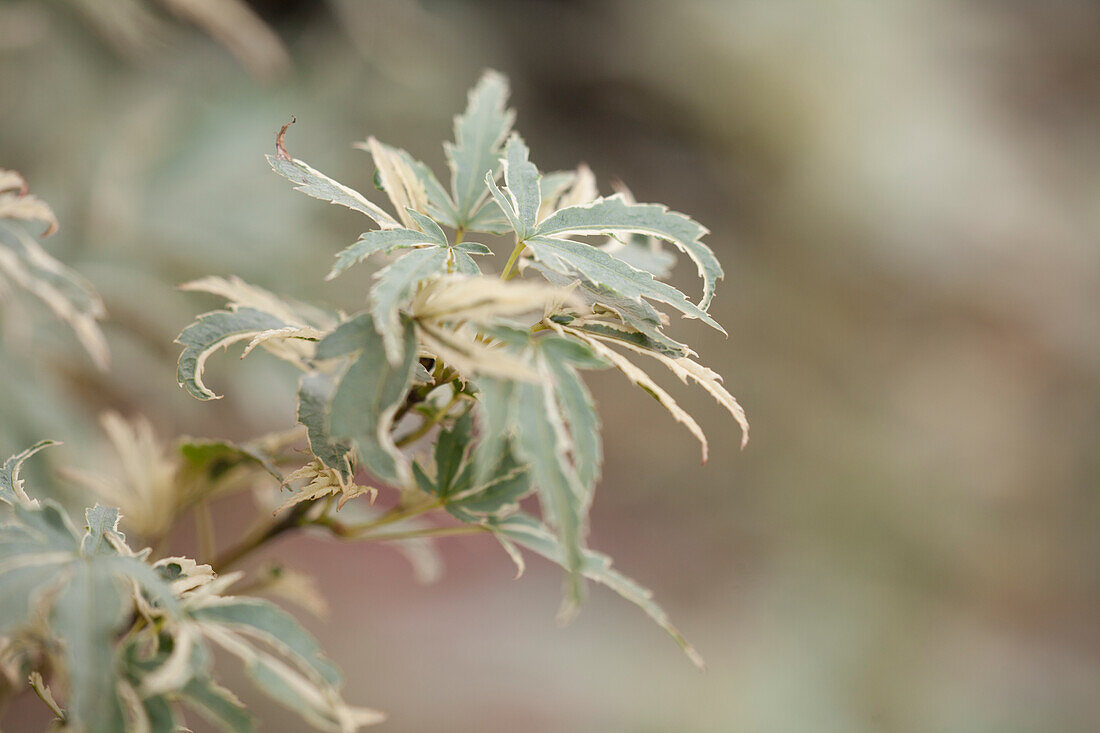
[904,195]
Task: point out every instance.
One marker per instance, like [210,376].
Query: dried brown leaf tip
[280,140]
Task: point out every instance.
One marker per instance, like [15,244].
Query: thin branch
[258,537]
[397,514]
[420,533]
[428,424]
[204,528]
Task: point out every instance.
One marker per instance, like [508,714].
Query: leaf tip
[280,140]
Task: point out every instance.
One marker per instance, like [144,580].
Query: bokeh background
[905,196]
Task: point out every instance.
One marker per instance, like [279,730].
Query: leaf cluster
[458,394]
[490,365]
[129,640]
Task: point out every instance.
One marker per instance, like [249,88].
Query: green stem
[259,536]
[428,424]
[507,273]
[396,514]
[204,528]
[419,533]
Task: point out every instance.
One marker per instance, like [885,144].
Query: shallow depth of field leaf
[92,573]
[210,332]
[370,390]
[479,132]
[70,594]
[27,264]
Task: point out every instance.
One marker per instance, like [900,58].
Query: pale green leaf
[40,526]
[160,715]
[307,695]
[267,622]
[627,334]
[378,240]
[504,204]
[579,411]
[642,253]
[639,250]
[479,133]
[616,216]
[66,293]
[319,708]
[240,294]
[582,190]
[314,395]
[210,332]
[11,487]
[554,184]
[316,184]
[214,457]
[542,442]
[522,179]
[530,533]
[87,614]
[510,483]
[367,398]
[347,338]
[217,705]
[643,380]
[394,285]
[102,527]
[595,265]
[429,227]
[473,248]
[489,218]
[440,206]
[637,316]
[400,182]
[495,413]
[21,588]
[464,264]
[710,381]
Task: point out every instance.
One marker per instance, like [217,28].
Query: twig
[291,520]
[204,528]
[418,533]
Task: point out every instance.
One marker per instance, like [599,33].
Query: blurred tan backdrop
[904,195]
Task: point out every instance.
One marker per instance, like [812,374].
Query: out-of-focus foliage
[154,486]
[23,262]
[136,28]
[26,265]
[130,640]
